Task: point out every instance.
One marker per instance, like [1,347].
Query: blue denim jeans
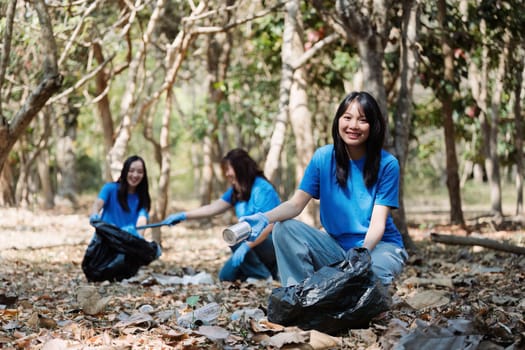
[301,250]
[259,263]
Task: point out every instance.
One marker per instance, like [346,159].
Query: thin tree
[50,83]
[446,97]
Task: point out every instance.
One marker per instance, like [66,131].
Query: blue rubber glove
[159,251]
[239,254]
[258,222]
[93,218]
[175,218]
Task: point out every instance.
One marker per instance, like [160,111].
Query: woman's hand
[93,218]
[175,218]
[257,222]
[239,254]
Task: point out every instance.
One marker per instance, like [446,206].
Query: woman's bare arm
[289,209]
[216,207]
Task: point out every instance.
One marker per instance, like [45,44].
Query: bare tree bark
[7,185]
[66,156]
[218,53]
[518,117]
[453,182]
[48,194]
[161,204]
[103,107]
[495,181]
[300,115]
[281,119]
[4,53]
[28,158]
[51,82]
[409,63]
[479,85]
[205,185]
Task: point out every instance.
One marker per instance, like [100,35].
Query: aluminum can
[237,233]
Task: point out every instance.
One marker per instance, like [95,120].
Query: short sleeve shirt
[263,197]
[346,212]
[113,213]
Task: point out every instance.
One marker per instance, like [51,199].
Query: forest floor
[448,297]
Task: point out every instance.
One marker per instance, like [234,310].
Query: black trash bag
[114,254]
[336,297]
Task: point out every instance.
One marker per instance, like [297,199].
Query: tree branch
[52,80]
[483,242]
[314,49]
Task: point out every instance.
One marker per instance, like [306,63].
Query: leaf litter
[448,297]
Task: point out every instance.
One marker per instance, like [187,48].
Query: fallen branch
[484,242]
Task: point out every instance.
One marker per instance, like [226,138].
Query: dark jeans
[259,263]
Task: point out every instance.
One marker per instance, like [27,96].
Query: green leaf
[193,300]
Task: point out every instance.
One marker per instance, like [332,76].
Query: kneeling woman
[250,192]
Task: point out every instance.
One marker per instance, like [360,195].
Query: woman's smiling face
[229,172]
[135,175]
[354,130]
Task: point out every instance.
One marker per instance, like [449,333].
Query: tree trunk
[7,186]
[480,94]
[31,146]
[66,158]
[453,182]
[277,140]
[495,181]
[51,82]
[518,117]
[205,188]
[161,203]
[301,118]
[21,191]
[409,63]
[218,60]
[103,107]
[48,195]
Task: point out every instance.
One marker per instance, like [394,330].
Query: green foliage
[89,175]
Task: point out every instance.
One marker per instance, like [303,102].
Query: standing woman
[357,184]
[250,192]
[126,202]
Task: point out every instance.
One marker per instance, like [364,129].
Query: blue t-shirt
[346,212]
[113,213]
[262,198]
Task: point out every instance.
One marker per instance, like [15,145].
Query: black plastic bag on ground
[114,254]
[341,296]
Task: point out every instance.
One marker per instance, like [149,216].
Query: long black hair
[142,188]
[246,171]
[374,144]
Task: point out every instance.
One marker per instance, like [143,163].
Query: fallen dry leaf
[281,339]
[323,341]
[90,301]
[428,298]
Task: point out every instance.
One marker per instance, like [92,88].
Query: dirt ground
[472,296]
